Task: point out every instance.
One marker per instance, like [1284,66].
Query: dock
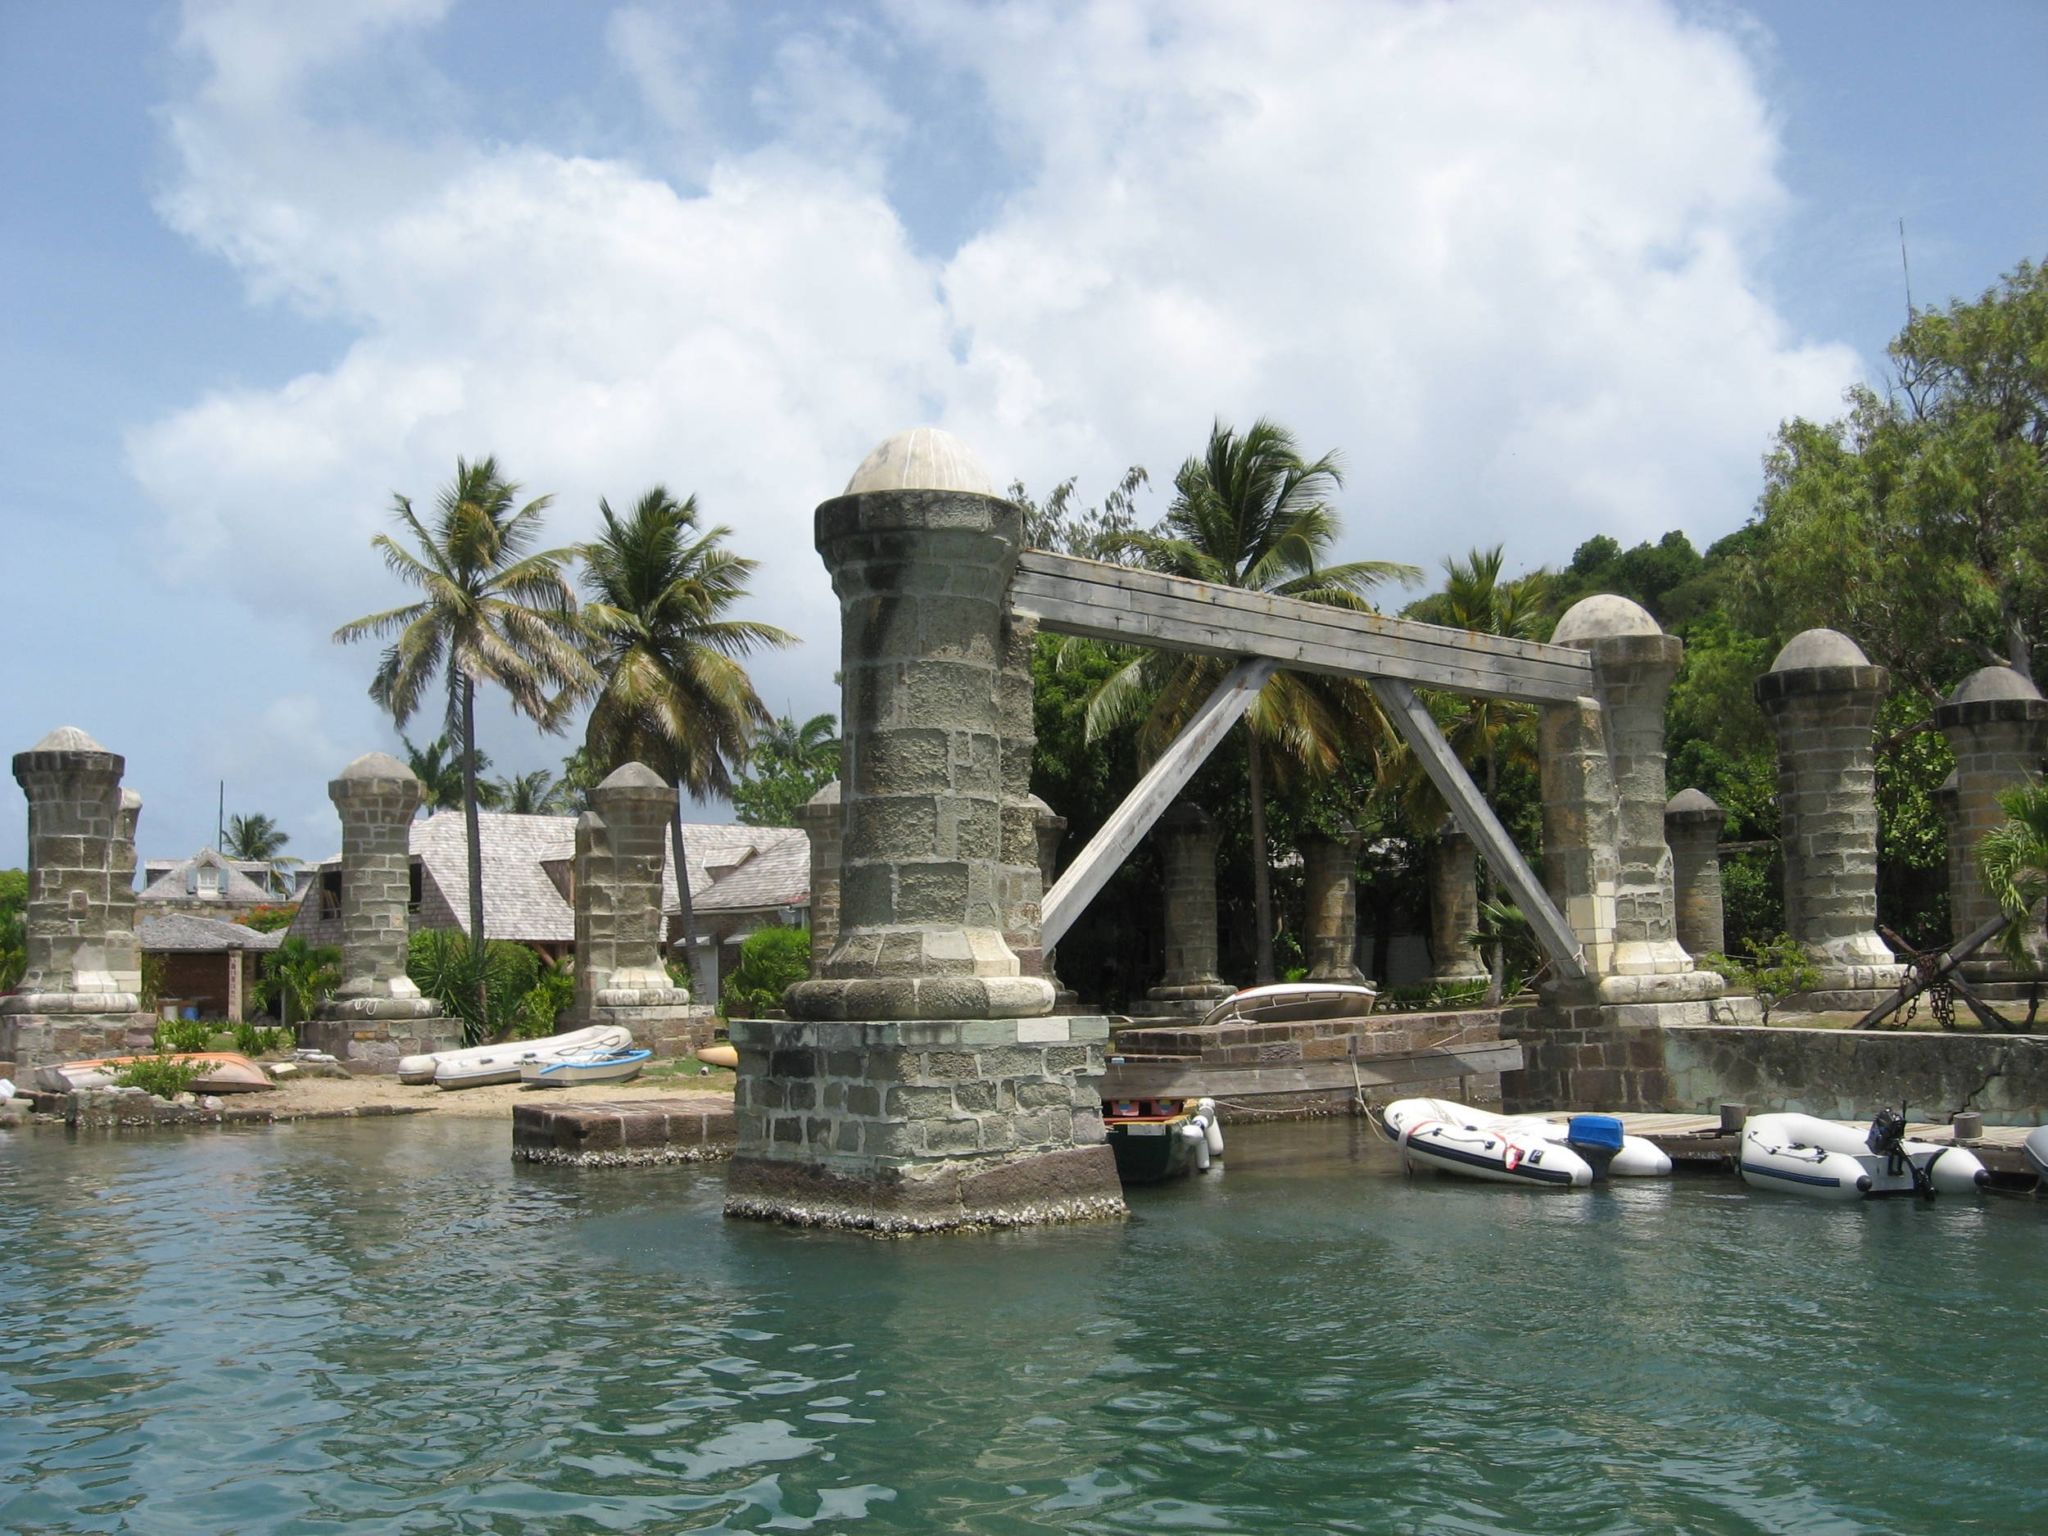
[1699,1143]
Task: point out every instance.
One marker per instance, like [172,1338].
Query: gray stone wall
[1330,878]
[1019,874]
[1187,855]
[1821,699]
[1692,826]
[1581,862]
[1454,907]
[621,848]
[1052,831]
[921,1126]
[1997,724]
[376,796]
[124,946]
[821,820]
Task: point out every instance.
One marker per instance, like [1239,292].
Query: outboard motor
[1596,1138]
[1887,1131]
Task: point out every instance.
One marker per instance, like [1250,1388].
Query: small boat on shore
[1805,1155]
[1557,1152]
[1281,1002]
[720,1055]
[426,1068]
[584,1067]
[1154,1140]
[226,1072]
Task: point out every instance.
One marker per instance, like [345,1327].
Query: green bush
[1774,970]
[160,1075]
[270,919]
[770,960]
[299,977]
[442,965]
[545,1000]
[255,1039]
[184,1034]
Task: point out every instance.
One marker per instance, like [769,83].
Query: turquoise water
[388,1326]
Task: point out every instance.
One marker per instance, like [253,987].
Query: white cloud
[1503,257]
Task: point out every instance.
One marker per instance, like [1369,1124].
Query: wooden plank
[1137,1079]
[1120,604]
[1148,800]
[1476,819]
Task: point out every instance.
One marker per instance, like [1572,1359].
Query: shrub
[160,1074]
[270,919]
[299,976]
[770,960]
[545,1000]
[184,1034]
[1774,970]
[442,965]
[255,1039]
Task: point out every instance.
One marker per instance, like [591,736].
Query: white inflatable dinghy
[1280,1001]
[597,1037]
[1558,1152]
[1805,1155]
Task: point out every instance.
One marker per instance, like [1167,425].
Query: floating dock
[1700,1143]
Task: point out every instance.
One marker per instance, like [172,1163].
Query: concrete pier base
[369,1035]
[1601,1057]
[921,1126]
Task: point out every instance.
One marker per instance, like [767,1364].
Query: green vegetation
[271,919]
[789,764]
[13,933]
[186,1034]
[492,609]
[771,960]
[160,1075]
[485,993]
[259,1039]
[670,691]
[552,992]
[299,978]
[1774,969]
[2014,862]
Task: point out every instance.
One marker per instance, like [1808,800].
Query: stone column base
[665,1028]
[921,1126]
[1174,1007]
[1594,1057]
[31,1040]
[368,1040]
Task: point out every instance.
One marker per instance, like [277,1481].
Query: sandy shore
[329,1096]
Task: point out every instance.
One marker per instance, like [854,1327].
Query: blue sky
[1537,272]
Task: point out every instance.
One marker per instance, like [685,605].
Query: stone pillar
[1187,852]
[1021,884]
[1454,908]
[377,1013]
[1625,886]
[1330,878]
[1051,830]
[1997,724]
[923,577]
[921,1086]
[71,1001]
[621,850]
[1821,697]
[124,946]
[819,817]
[1692,826]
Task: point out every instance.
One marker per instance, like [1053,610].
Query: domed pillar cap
[1812,648]
[1603,616]
[1693,806]
[921,459]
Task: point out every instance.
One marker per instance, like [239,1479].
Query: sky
[1534,272]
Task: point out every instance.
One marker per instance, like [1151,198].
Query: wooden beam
[1136,1078]
[1128,824]
[1116,603]
[1476,819]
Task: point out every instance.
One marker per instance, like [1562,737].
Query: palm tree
[812,747]
[492,609]
[259,839]
[439,771]
[1252,513]
[2014,862]
[529,794]
[1485,732]
[672,695]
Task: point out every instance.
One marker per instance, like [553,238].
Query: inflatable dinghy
[426,1068]
[1805,1155]
[1557,1152]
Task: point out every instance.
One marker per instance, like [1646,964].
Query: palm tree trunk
[476,848]
[1262,876]
[688,913]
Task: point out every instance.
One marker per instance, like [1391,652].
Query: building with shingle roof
[741,879]
[208,966]
[210,884]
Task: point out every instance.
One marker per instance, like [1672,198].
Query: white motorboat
[584,1067]
[1822,1160]
[423,1069]
[1281,1001]
[1560,1152]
